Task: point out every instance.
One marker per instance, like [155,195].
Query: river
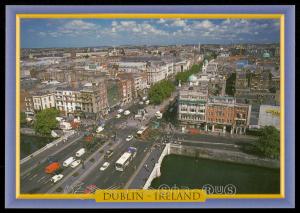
[188,172]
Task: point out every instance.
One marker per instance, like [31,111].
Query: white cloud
[161,21]
[178,23]
[79,25]
[42,34]
[114,23]
[128,23]
[205,24]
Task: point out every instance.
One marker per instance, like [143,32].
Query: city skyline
[68,33]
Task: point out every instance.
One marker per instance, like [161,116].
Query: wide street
[77,180]
[35,180]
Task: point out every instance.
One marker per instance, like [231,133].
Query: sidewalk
[139,178]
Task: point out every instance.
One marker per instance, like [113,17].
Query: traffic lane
[105,148]
[123,133]
[60,156]
[29,165]
[37,177]
[111,178]
[118,151]
[143,175]
[74,176]
[114,178]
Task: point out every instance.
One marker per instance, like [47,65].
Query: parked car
[129,138]
[75,163]
[104,166]
[118,116]
[56,178]
[141,103]
[120,110]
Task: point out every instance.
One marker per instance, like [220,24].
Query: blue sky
[36,33]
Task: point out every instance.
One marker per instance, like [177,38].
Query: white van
[68,161]
[80,152]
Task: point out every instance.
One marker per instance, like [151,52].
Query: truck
[141,131]
[68,161]
[51,168]
[80,152]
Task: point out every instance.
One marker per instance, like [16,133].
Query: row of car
[126,112]
[71,161]
[107,155]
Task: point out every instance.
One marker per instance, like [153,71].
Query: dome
[192,78]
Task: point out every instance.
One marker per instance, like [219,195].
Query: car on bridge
[108,154]
[104,166]
[75,163]
[129,138]
[56,178]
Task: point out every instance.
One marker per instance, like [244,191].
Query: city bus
[125,159]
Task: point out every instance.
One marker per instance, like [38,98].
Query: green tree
[160,91]
[46,121]
[184,76]
[268,143]
[230,84]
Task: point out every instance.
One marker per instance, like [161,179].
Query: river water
[188,172]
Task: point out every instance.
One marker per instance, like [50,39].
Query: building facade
[125,87]
[196,110]
[93,98]
[68,100]
[192,106]
[43,101]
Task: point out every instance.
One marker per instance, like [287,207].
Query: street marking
[41,179]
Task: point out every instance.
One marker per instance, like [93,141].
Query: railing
[156,170]
[49,145]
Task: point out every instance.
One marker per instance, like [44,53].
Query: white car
[120,110]
[75,163]
[129,138]
[118,116]
[99,129]
[127,112]
[104,166]
[141,103]
[147,102]
[56,178]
